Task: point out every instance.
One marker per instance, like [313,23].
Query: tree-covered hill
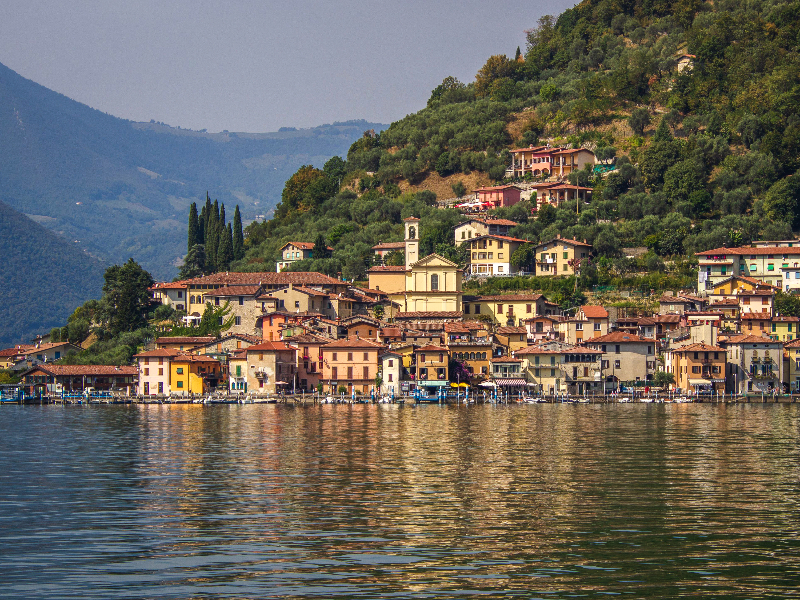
[696,102]
[44,278]
[122,188]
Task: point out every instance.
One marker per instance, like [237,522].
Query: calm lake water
[531,501]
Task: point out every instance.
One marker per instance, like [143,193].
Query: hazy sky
[258,65]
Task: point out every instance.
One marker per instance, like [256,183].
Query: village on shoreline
[412,331]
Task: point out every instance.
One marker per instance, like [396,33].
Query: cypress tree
[216,211]
[238,235]
[222,214]
[225,248]
[212,241]
[194,228]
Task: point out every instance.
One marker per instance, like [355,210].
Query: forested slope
[705,156]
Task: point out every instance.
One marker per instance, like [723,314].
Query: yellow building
[784,329]
[560,256]
[509,309]
[430,284]
[791,365]
[193,374]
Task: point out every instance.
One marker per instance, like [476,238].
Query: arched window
[412,233]
[434,283]
[472,356]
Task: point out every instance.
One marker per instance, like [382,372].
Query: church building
[430,284]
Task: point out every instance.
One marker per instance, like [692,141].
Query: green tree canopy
[125,297]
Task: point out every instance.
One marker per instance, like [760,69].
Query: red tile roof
[751,339]
[386,269]
[181,358]
[594,312]
[504,298]
[490,221]
[433,314]
[746,251]
[756,316]
[267,278]
[619,337]
[269,347]
[431,348]
[185,340]
[235,290]
[389,246]
[101,370]
[497,188]
[353,343]
[493,236]
[701,347]
[159,352]
[504,330]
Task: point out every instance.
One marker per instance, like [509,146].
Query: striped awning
[510,382]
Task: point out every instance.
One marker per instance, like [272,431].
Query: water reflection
[379,501]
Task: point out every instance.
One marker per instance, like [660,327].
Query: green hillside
[123,188]
[44,278]
[705,157]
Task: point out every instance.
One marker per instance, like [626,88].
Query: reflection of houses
[697,367]
[476,227]
[755,364]
[548,161]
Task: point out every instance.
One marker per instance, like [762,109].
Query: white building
[391,373]
[154,371]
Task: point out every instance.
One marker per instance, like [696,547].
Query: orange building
[352,364]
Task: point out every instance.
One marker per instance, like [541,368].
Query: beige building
[476,227]
[560,256]
[627,358]
[294,251]
[755,364]
[391,373]
[246,304]
[154,372]
[549,161]
[588,323]
[490,255]
[554,367]
[510,339]
[171,293]
[271,368]
[698,368]
[764,263]
[309,359]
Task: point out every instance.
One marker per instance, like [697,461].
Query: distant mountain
[44,278]
[122,188]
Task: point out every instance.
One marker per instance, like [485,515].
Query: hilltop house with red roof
[770,264]
[497,196]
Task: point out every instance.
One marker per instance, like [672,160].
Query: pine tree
[225,248]
[238,235]
[194,228]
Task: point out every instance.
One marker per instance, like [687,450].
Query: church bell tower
[412,240]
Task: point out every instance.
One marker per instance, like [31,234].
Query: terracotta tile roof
[666,318]
[44,347]
[391,332]
[180,358]
[493,236]
[674,300]
[307,338]
[490,221]
[269,347]
[792,344]
[571,242]
[504,330]
[745,251]
[506,359]
[751,339]
[594,312]
[756,316]
[556,348]
[185,340]
[786,319]
[431,348]
[101,370]
[159,352]
[421,314]
[353,343]
[310,291]
[266,278]
[168,285]
[387,269]
[701,347]
[619,337]
[389,246]
[755,292]
[497,188]
[10,352]
[703,313]
[370,291]
[455,328]
[473,325]
[235,290]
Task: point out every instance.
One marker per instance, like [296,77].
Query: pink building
[499,195]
